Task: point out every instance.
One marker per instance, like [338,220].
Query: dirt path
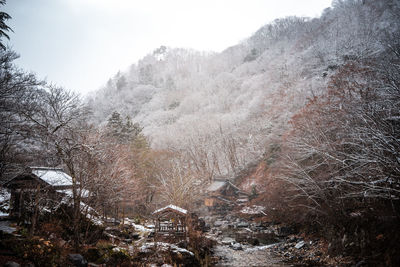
[249,256]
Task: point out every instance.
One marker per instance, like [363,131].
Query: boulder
[242,225]
[220,223]
[237,246]
[300,244]
[285,231]
[227,241]
[77,260]
[11,264]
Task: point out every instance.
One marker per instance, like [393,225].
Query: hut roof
[52,176]
[173,208]
[216,185]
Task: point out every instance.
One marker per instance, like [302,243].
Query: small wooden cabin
[223,193]
[37,184]
[170,223]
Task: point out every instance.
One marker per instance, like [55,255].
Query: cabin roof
[216,185]
[52,176]
[172,207]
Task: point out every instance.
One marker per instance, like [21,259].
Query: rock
[135,236]
[218,223]
[242,225]
[77,260]
[237,246]
[224,227]
[360,263]
[227,241]
[300,244]
[285,231]
[11,264]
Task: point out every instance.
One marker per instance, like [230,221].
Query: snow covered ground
[4,202]
[164,246]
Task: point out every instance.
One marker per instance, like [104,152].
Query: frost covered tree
[19,93]
[3,26]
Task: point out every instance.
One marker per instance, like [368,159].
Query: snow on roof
[171,207]
[216,185]
[52,176]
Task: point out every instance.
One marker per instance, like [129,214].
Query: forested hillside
[222,109]
[303,117]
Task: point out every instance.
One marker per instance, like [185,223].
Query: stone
[300,244]
[285,231]
[237,246]
[218,223]
[77,260]
[11,264]
[227,241]
[242,225]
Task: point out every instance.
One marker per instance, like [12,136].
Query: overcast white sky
[80,44]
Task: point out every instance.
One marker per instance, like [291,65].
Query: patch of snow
[262,247]
[5,227]
[4,202]
[95,219]
[3,214]
[254,209]
[4,195]
[68,192]
[300,244]
[164,246]
[137,227]
[171,207]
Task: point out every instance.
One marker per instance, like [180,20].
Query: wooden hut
[222,194]
[37,183]
[170,223]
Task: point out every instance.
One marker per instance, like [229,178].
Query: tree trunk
[35,211]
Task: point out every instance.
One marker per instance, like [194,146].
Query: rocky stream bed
[245,242]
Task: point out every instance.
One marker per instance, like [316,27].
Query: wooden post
[36,210]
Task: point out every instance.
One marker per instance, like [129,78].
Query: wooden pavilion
[170,223]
